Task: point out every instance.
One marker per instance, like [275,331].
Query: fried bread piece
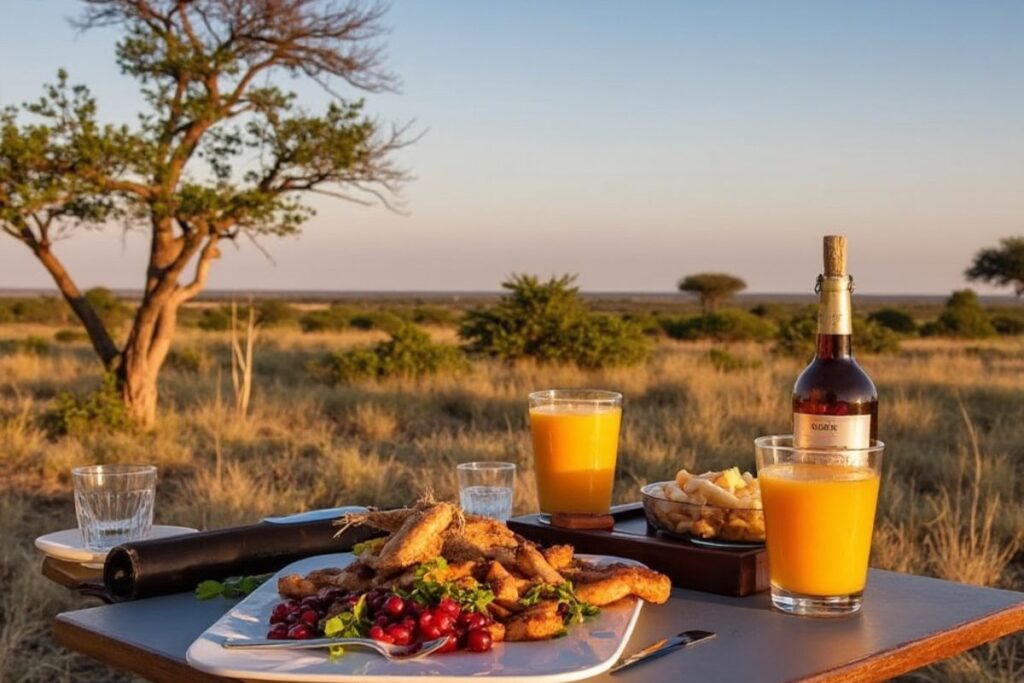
[355,577]
[532,563]
[607,584]
[540,622]
[559,556]
[418,540]
[503,584]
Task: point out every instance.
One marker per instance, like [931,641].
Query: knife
[663,647]
[315,515]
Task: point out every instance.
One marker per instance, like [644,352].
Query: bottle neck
[835,318]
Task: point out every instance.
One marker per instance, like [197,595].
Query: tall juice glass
[819,513]
[575,443]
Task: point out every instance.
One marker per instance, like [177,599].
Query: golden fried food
[721,504]
[532,564]
[540,622]
[418,540]
[355,577]
[605,585]
[559,556]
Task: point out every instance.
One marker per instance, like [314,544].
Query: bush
[548,321]
[6,314]
[100,410]
[649,323]
[409,353]
[895,320]
[434,315]
[872,337]
[215,319]
[726,326]
[31,345]
[190,359]
[387,321]
[1008,323]
[334,318]
[111,310]
[963,317]
[723,361]
[70,336]
[270,313]
[797,334]
[45,310]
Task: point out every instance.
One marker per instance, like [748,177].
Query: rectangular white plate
[589,648]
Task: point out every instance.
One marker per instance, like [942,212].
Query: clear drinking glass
[114,503]
[819,512]
[486,488]
[575,444]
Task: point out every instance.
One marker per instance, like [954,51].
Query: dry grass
[951,416]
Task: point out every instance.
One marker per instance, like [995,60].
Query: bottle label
[834,311]
[831,431]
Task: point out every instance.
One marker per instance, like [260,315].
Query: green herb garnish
[576,610]
[230,588]
[427,590]
[353,623]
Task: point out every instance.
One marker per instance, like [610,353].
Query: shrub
[111,310]
[409,353]
[387,321]
[272,313]
[41,309]
[1008,323]
[100,410]
[214,319]
[649,323]
[894,319]
[31,345]
[548,321]
[726,326]
[872,337]
[434,315]
[190,359]
[332,319]
[797,334]
[723,361]
[963,317]
[70,336]
[6,314]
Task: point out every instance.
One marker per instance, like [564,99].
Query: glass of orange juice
[819,513]
[575,444]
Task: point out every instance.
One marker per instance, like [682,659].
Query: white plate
[589,648]
[68,544]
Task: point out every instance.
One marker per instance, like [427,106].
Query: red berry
[451,642]
[309,617]
[410,623]
[449,607]
[478,640]
[310,602]
[443,621]
[278,632]
[279,614]
[292,606]
[376,632]
[394,606]
[299,632]
[400,633]
[382,620]
[477,620]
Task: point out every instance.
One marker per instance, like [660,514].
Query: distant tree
[894,319]
[964,317]
[712,288]
[220,153]
[1002,265]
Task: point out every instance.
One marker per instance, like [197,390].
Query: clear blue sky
[635,142]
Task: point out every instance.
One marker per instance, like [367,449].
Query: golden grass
[951,415]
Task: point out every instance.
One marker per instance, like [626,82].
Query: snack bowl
[700,522]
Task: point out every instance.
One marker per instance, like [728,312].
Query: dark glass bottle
[835,403]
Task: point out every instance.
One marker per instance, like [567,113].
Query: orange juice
[818,521]
[574,451]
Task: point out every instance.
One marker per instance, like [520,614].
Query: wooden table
[907,622]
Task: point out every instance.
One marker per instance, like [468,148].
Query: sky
[631,143]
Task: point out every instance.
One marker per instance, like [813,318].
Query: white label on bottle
[831,431]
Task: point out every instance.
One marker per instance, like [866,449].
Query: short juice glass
[819,512]
[575,444]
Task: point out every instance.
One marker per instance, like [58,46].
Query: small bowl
[702,523]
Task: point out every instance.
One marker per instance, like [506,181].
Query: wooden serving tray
[738,572]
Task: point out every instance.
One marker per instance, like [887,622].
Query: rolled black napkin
[145,569]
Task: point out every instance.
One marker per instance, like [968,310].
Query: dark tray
[734,571]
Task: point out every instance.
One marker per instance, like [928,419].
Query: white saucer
[68,544]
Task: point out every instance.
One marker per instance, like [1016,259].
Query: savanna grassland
[952,414]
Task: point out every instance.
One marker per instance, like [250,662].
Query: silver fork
[388,651]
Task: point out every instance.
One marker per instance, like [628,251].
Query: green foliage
[726,326]
[894,319]
[871,337]
[1008,323]
[111,310]
[44,310]
[434,315]
[273,313]
[724,361]
[6,314]
[231,588]
[963,318]
[334,318]
[215,319]
[100,410]
[408,353]
[191,359]
[30,345]
[797,334]
[70,336]
[712,288]
[549,322]
[1002,265]
[388,321]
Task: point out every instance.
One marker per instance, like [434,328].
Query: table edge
[132,657]
[884,665]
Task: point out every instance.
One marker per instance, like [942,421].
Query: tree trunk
[138,387]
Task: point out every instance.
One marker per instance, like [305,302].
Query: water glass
[486,488]
[819,513]
[114,503]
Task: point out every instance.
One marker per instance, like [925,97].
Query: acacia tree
[220,153]
[712,288]
[1002,265]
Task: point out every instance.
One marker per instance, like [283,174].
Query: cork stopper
[835,256]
